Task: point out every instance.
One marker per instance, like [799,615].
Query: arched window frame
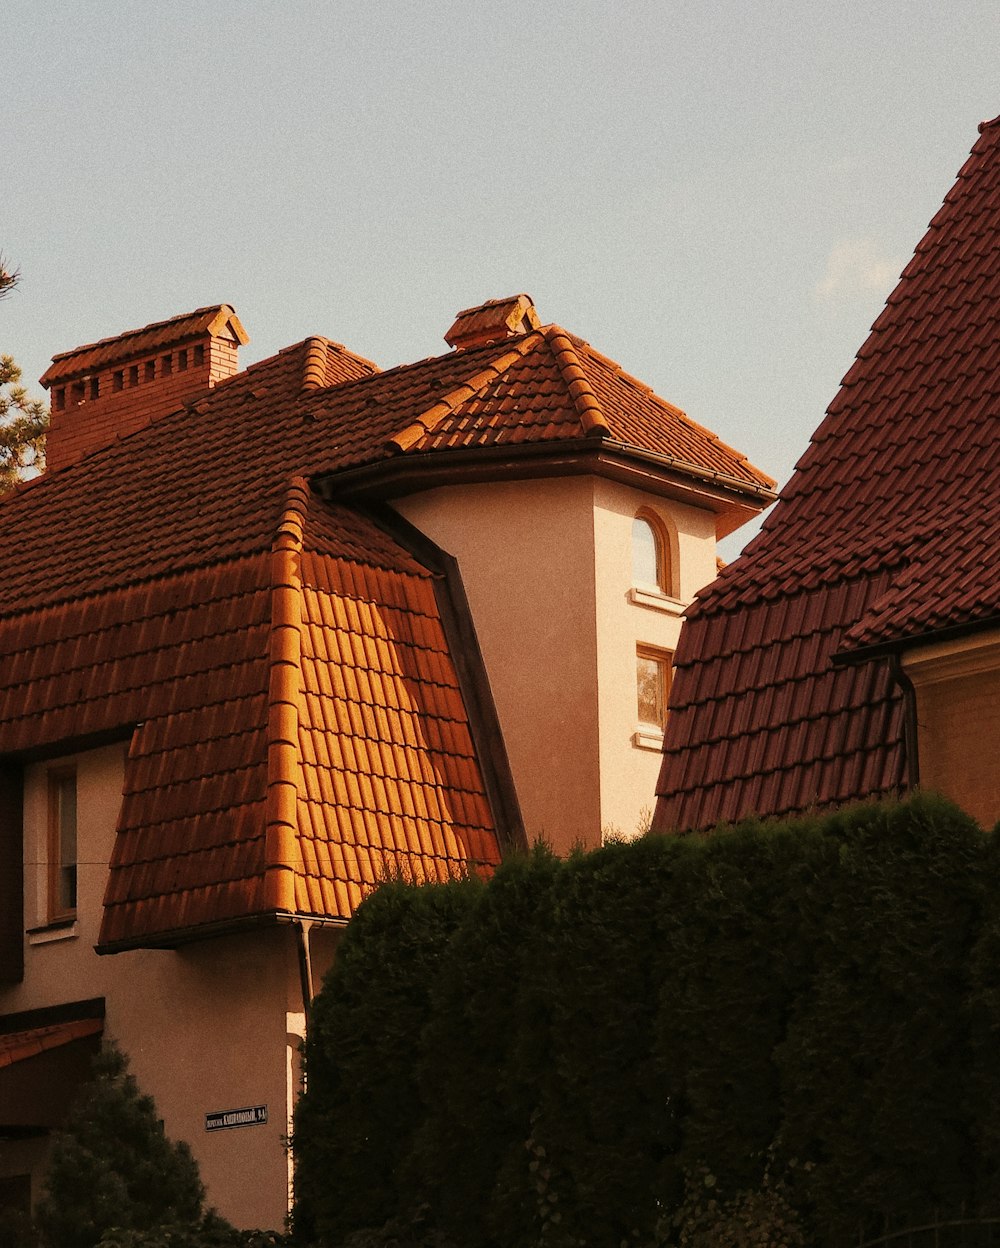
[667,580]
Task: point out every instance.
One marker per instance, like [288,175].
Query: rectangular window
[166,366]
[62,844]
[133,374]
[653,685]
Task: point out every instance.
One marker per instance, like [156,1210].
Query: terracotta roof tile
[17,1046]
[297,727]
[885,535]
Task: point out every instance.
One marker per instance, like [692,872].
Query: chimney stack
[111,388]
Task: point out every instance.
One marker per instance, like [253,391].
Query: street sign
[249,1116]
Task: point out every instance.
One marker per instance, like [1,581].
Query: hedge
[801,1018]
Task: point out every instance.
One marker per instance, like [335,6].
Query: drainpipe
[304,927]
[910,741]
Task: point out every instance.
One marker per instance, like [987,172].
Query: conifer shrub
[354,1128]
[113,1167]
[784,1030]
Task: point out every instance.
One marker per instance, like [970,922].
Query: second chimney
[111,388]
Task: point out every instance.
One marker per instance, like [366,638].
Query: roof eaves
[759,492]
[899,642]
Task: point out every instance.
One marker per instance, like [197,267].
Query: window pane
[63,848]
[645,554]
[649,673]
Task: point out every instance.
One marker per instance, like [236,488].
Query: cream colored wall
[547,569]
[630,756]
[958,721]
[211,1026]
[526,553]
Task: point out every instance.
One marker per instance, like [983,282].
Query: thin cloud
[855,266]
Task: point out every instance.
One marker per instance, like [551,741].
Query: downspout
[303,928]
[910,738]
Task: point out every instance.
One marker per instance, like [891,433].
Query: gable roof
[885,537]
[305,704]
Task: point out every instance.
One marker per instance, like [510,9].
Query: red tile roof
[886,535]
[300,728]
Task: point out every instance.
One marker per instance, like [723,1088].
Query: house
[853,650]
[268,636]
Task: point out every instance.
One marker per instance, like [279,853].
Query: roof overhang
[969,632]
[176,937]
[732,501]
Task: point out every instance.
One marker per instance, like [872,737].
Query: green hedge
[802,1019]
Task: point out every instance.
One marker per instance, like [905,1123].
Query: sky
[718,194]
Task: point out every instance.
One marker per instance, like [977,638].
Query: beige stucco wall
[547,570]
[630,755]
[958,721]
[525,549]
[211,1026]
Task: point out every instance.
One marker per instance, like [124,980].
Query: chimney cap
[214,321]
[493,321]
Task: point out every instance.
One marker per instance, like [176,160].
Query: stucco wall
[526,553]
[630,754]
[547,569]
[206,1027]
[958,721]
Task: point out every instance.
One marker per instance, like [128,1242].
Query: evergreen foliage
[354,1131]
[113,1167]
[773,1034]
[23,421]
[23,425]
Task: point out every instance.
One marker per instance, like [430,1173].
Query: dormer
[111,388]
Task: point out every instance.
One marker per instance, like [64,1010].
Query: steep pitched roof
[305,711]
[885,535]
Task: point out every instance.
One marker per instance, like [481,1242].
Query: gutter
[566,456]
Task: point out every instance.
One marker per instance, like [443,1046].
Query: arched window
[649,556]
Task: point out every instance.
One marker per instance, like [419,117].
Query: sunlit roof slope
[886,535]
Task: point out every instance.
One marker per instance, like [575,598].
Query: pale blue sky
[718,195]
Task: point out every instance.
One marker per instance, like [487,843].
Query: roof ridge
[283,697]
[314,363]
[427,421]
[317,354]
[592,418]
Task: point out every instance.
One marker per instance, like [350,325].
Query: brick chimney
[113,387]
[493,321]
